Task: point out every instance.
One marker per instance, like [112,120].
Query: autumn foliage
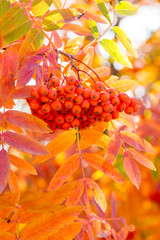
[73,136]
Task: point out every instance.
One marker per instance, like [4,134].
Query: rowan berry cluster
[68,104]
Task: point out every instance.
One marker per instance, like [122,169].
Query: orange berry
[98,110]
[94,95]
[135,108]
[83,118]
[111,92]
[40,112]
[66,126]
[108,107]
[86,93]
[61,98]
[76,109]
[68,104]
[71,79]
[43,90]
[56,105]
[93,103]
[123,97]
[35,93]
[121,107]
[59,119]
[128,110]
[52,94]
[104,114]
[79,90]
[70,96]
[115,115]
[91,115]
[69,117]
[108,117]
[99,86]
[60,89]
[75,123]
[34,105]
[114,101]
[44,99]
[46,108]
[134,102]
[104,97]
[86,124]
[85,104]
[69,88]
[78,99]
[54,81]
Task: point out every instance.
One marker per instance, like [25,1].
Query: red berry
[61,98]
[76,109]
[68,104]
[75,123]
[115,115]
[69,88]
[52,94]
[99,86]
[79,90]
[121,107]
[46,108]
[98,110]
[135,108]
[60,89]
[94,95]
[69,117]
[128,110]
[133,102]
[114,101]
[56,105]
[93,103]
[44,99]
[104,97]
[66,126]
[35,93]
[83,118]
[85,104]
[59,119]
[43,90]
[71,79]
[108,117]
[78,99]
[111,92]
[70,96]
[54,81]
[108,107]
[34,105]
[86,93]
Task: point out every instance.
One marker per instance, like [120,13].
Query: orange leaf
[97,193]
[1,117]
[132,170]
[4,169]
[13,182]
[23,92]
[126,120]
[7,236]
[21,163]
[26,121]
[99,163]
[135,141]
[77,29]
[141,158]
[113,148]
[24,143]
[64,172]
[94,17]
[58,145]
[67,233]
[73,46]
[50,223]
[74,197]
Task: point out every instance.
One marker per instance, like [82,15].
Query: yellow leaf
[73,46]
[57,3]
[126,120]
[58,145]
[124,85]
[40,7]
[123,38]
[64,172]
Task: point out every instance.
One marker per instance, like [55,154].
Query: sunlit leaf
[135,141]
[24,143]
[94,28]
[40,7]
[100,163]
[32,43]
[113,148]
[126,120]
[4,169]
[50,223]
[115,51]
[4,7]
[141,158]
[13,28]
[64,172]
[57,3]
[26,121]
[126,8]
[79,30]
[103,9]
[72,47]
[74,197]
[123,38]
[124,85]
[93,16]
[97,193]
[132,170]
[13,182]
[58,145]
[21,163]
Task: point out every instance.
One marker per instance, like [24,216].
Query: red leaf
[94,17]
[53,63]
[24,143]
[45,70]
[76,29]
[1,117]
[132,170]
[113,205]
[4,169]
[57,39]
[74,197]
[38,76]
[99,163]
[141,158]
[64,172]
[113,148]
[24,92]
[26,121]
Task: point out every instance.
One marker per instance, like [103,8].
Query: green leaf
[125,8]
[14,25]
[40,7]
[4,7]
[94,28]
[32,42]
[114,50]
[103,9]
[123,38]
[55,19]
